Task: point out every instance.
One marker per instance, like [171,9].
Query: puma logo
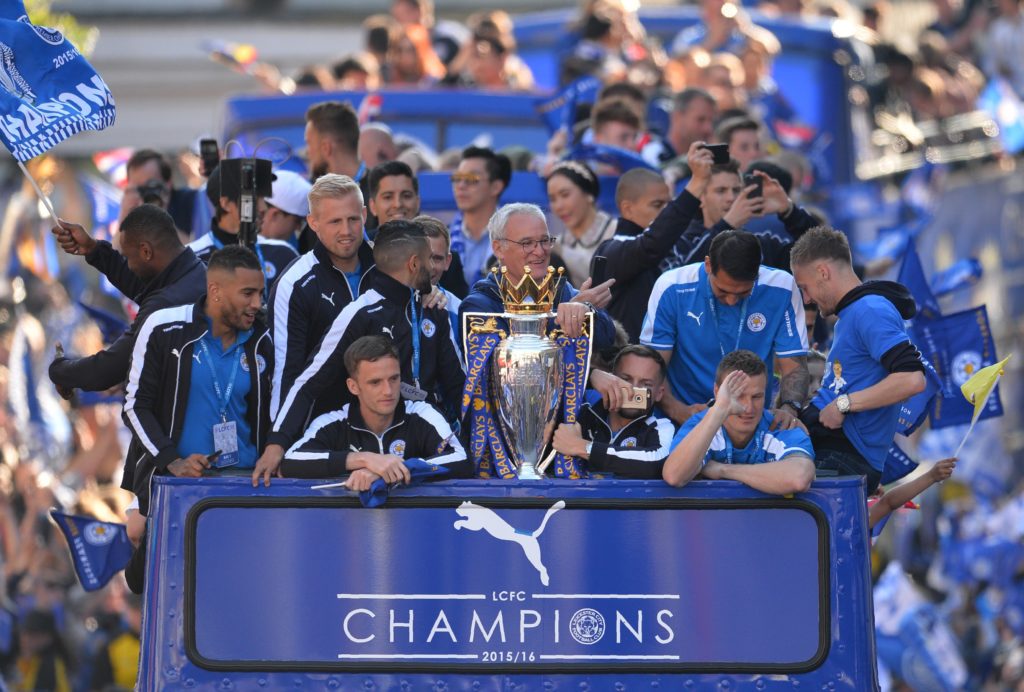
[328,298]
[695,317]
[475,518]
[196,357]
[176,353]
[387,330]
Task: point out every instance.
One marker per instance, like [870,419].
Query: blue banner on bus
[538,583]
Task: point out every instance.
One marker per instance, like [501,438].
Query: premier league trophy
[520,379]
[526,368]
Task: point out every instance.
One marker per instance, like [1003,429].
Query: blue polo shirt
[866,329]
[684,316]
[203,409]
[766,445]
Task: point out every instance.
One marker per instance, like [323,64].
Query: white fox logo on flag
[10,77]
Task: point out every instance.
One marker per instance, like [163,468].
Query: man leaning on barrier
[733,439]
[370,438]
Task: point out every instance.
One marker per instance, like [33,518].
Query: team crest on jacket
[397,448]
[269,270]
[757,322]
[261,363]
[428,328]
[629,442]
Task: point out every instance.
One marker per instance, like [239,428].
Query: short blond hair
[333,186]
[435,228]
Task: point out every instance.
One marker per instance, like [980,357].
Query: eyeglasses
[467,178]
[531,244]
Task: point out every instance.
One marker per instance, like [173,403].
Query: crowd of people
[332,345]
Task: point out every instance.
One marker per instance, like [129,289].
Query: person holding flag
[872,366]
[153,269]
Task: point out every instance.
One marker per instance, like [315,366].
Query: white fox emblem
[475,518]
[696,317]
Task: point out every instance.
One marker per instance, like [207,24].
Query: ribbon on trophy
[486,447]
[576,365]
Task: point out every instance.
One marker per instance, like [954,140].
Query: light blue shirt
[683,316]
[765,446]
[203,409]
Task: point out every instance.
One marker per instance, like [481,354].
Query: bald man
[633,253]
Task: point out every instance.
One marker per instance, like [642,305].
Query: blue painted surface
[243,584]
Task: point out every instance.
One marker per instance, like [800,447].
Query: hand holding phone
[756,180]
[209,155]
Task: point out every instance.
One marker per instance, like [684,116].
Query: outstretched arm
[900,495]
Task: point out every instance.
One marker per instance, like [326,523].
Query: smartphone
[719,152]
[599,270]
[639,400]
[751,179]
[209,153]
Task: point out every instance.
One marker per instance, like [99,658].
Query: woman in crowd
[572,193]
[411,60]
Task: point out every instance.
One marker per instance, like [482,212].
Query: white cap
[290,193]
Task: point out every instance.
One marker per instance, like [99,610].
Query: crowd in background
[717,77]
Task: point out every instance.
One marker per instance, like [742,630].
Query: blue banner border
[824,588]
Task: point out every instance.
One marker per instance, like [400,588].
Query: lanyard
[713,307]
[362,169]
[730,449]
[415,340]
[225,397]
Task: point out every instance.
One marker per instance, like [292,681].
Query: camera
[638,400]
[153,192]
[244,180]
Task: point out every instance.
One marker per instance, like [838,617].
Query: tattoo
[795,383]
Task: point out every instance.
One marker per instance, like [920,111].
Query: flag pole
[39,191]
[974,420]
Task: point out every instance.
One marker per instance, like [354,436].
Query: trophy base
[528,472]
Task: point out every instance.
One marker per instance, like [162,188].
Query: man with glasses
[478,183]
[519,239]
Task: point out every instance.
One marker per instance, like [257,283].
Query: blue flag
[912,276]
[111,326]
[48,91]
[897,465]
[559,111]
[891,243]
[960,274]
[419,470]
[622,159]
[958,345]
[99,550]
[916,409]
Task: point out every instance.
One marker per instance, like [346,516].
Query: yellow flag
[978,388]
